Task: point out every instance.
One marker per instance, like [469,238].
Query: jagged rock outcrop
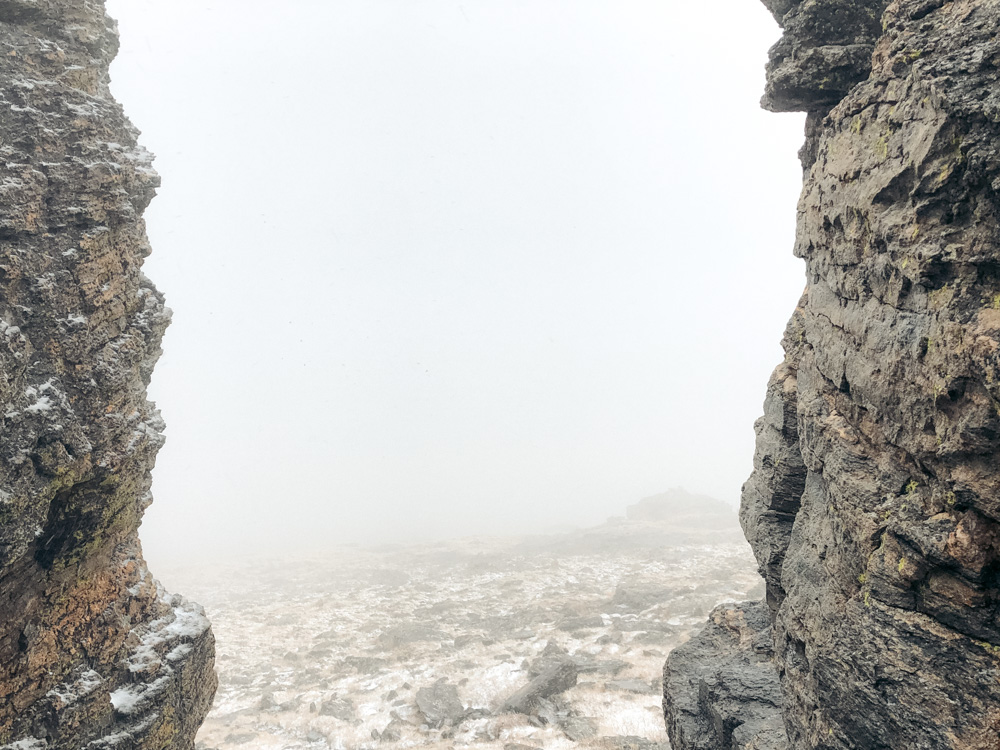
[721,689]
[874,507]
[93,653]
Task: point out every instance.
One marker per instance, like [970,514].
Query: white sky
[446,267]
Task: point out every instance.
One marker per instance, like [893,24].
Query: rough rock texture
[93,653]
[721,690]
[874,507]
[825,50]
[557,679]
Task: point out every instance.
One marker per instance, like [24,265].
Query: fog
[444,268]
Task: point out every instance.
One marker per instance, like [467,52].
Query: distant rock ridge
[874,505]
[677,504]
[93,653]
[672,518]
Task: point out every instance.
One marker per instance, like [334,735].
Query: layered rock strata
[874,507]
[721,689]
[93,653]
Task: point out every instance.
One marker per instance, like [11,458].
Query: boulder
[553,681]
[439,704]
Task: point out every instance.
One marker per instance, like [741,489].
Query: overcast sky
[446,267]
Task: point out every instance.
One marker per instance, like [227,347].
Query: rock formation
[874,506]
[726,689]
[93,653]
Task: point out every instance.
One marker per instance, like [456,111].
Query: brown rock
[90,646]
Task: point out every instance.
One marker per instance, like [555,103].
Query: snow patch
[129,699]
[180,652]
[43,404]
[84,685]
[31,743]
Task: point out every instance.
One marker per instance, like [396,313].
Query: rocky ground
[549,641]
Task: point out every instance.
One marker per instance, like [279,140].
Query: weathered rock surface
[721,689]
[555,680]
[439,704]
[93,653]
[874,507]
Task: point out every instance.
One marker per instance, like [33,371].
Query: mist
[444,268]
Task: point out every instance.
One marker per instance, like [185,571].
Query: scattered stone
[393,731]
[405,634]
[636,597]
[472,714]
[408,714]
[650,636]
[632,624]
[547,712]
[551,682]
[631,742]
[371,674]
[267,702]
[578,728]
[365,664]
[239,738]
[581,623]
[601,666]
[338,708]
[440,704]
[630,686]
[388,577]
[552,656]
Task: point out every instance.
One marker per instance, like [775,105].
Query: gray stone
[551,682]
[402,635]
[338,708]
[578,728]
[552,656]
[365,664]
[599,666]
[393,731]
[723,679]
[585,622]
[439,704]
[630,686]
[629,742]
[637,596]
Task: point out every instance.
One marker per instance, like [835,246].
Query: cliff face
[93,653]
[874,506]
